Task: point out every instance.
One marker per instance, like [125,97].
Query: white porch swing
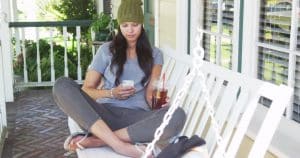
[219,103]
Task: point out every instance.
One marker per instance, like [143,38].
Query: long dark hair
[118,48]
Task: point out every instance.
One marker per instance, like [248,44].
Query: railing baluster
[24,56]
[79,78]
[51,56]
[93,39]
[65,34]
[18,45]
[38,58]
[1,124]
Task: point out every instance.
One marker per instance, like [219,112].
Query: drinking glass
[159,95]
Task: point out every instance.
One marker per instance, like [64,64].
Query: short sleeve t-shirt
[132,71]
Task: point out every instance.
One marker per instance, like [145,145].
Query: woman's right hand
[123,92]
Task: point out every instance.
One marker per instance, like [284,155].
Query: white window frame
[197,21]
[251,43]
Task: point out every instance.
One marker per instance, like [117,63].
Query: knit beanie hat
[130,11]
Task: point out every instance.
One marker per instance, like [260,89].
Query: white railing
[35,31]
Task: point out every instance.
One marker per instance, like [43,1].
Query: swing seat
[236,98]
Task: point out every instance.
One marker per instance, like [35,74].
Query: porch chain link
[198,55]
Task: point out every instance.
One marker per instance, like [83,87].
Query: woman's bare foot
[88,142]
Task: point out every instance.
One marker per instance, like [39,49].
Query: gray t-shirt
[132,71]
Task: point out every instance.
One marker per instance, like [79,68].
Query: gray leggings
[140,124]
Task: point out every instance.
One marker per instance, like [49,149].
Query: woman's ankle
[128,150]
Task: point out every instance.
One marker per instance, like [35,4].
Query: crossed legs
[112,126]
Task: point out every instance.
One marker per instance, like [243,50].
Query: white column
[2,93]
[6,50]
[250,37]
[156,23]
[99,4]
[181,26]
[196,21]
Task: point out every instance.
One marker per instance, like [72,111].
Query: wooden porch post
[6,50]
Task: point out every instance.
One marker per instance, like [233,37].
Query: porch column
[181,26]
[6,52]
[2,93]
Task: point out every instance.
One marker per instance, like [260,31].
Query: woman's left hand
[167,102]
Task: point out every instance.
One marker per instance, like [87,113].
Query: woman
[118,116]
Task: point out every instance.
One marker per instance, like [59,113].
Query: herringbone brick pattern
[40,127]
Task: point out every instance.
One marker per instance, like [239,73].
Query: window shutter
[298,36]
[296,114]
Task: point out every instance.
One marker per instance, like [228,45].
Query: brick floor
[37,127]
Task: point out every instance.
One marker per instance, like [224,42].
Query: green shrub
[45,63]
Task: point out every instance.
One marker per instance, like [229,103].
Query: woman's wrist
[112,93]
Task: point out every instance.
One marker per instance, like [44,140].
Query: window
[218,31]
[275,22]
[273,66]
[278,55]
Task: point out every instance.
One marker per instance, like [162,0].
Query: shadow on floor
[37,127]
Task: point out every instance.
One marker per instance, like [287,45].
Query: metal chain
[198,55]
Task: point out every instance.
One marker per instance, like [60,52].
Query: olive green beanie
[130,11]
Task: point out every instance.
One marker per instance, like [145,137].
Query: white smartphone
[127,83]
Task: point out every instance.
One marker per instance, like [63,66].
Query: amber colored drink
[159,98]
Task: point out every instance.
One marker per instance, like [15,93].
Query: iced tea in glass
[159,98]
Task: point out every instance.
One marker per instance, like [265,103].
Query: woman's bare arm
[91,82]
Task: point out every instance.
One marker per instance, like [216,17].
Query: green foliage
[45,62]
[101,22]
[75,10]
[104,27]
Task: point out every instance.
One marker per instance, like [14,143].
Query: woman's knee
[179,118]
[62,85]
[175,125]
